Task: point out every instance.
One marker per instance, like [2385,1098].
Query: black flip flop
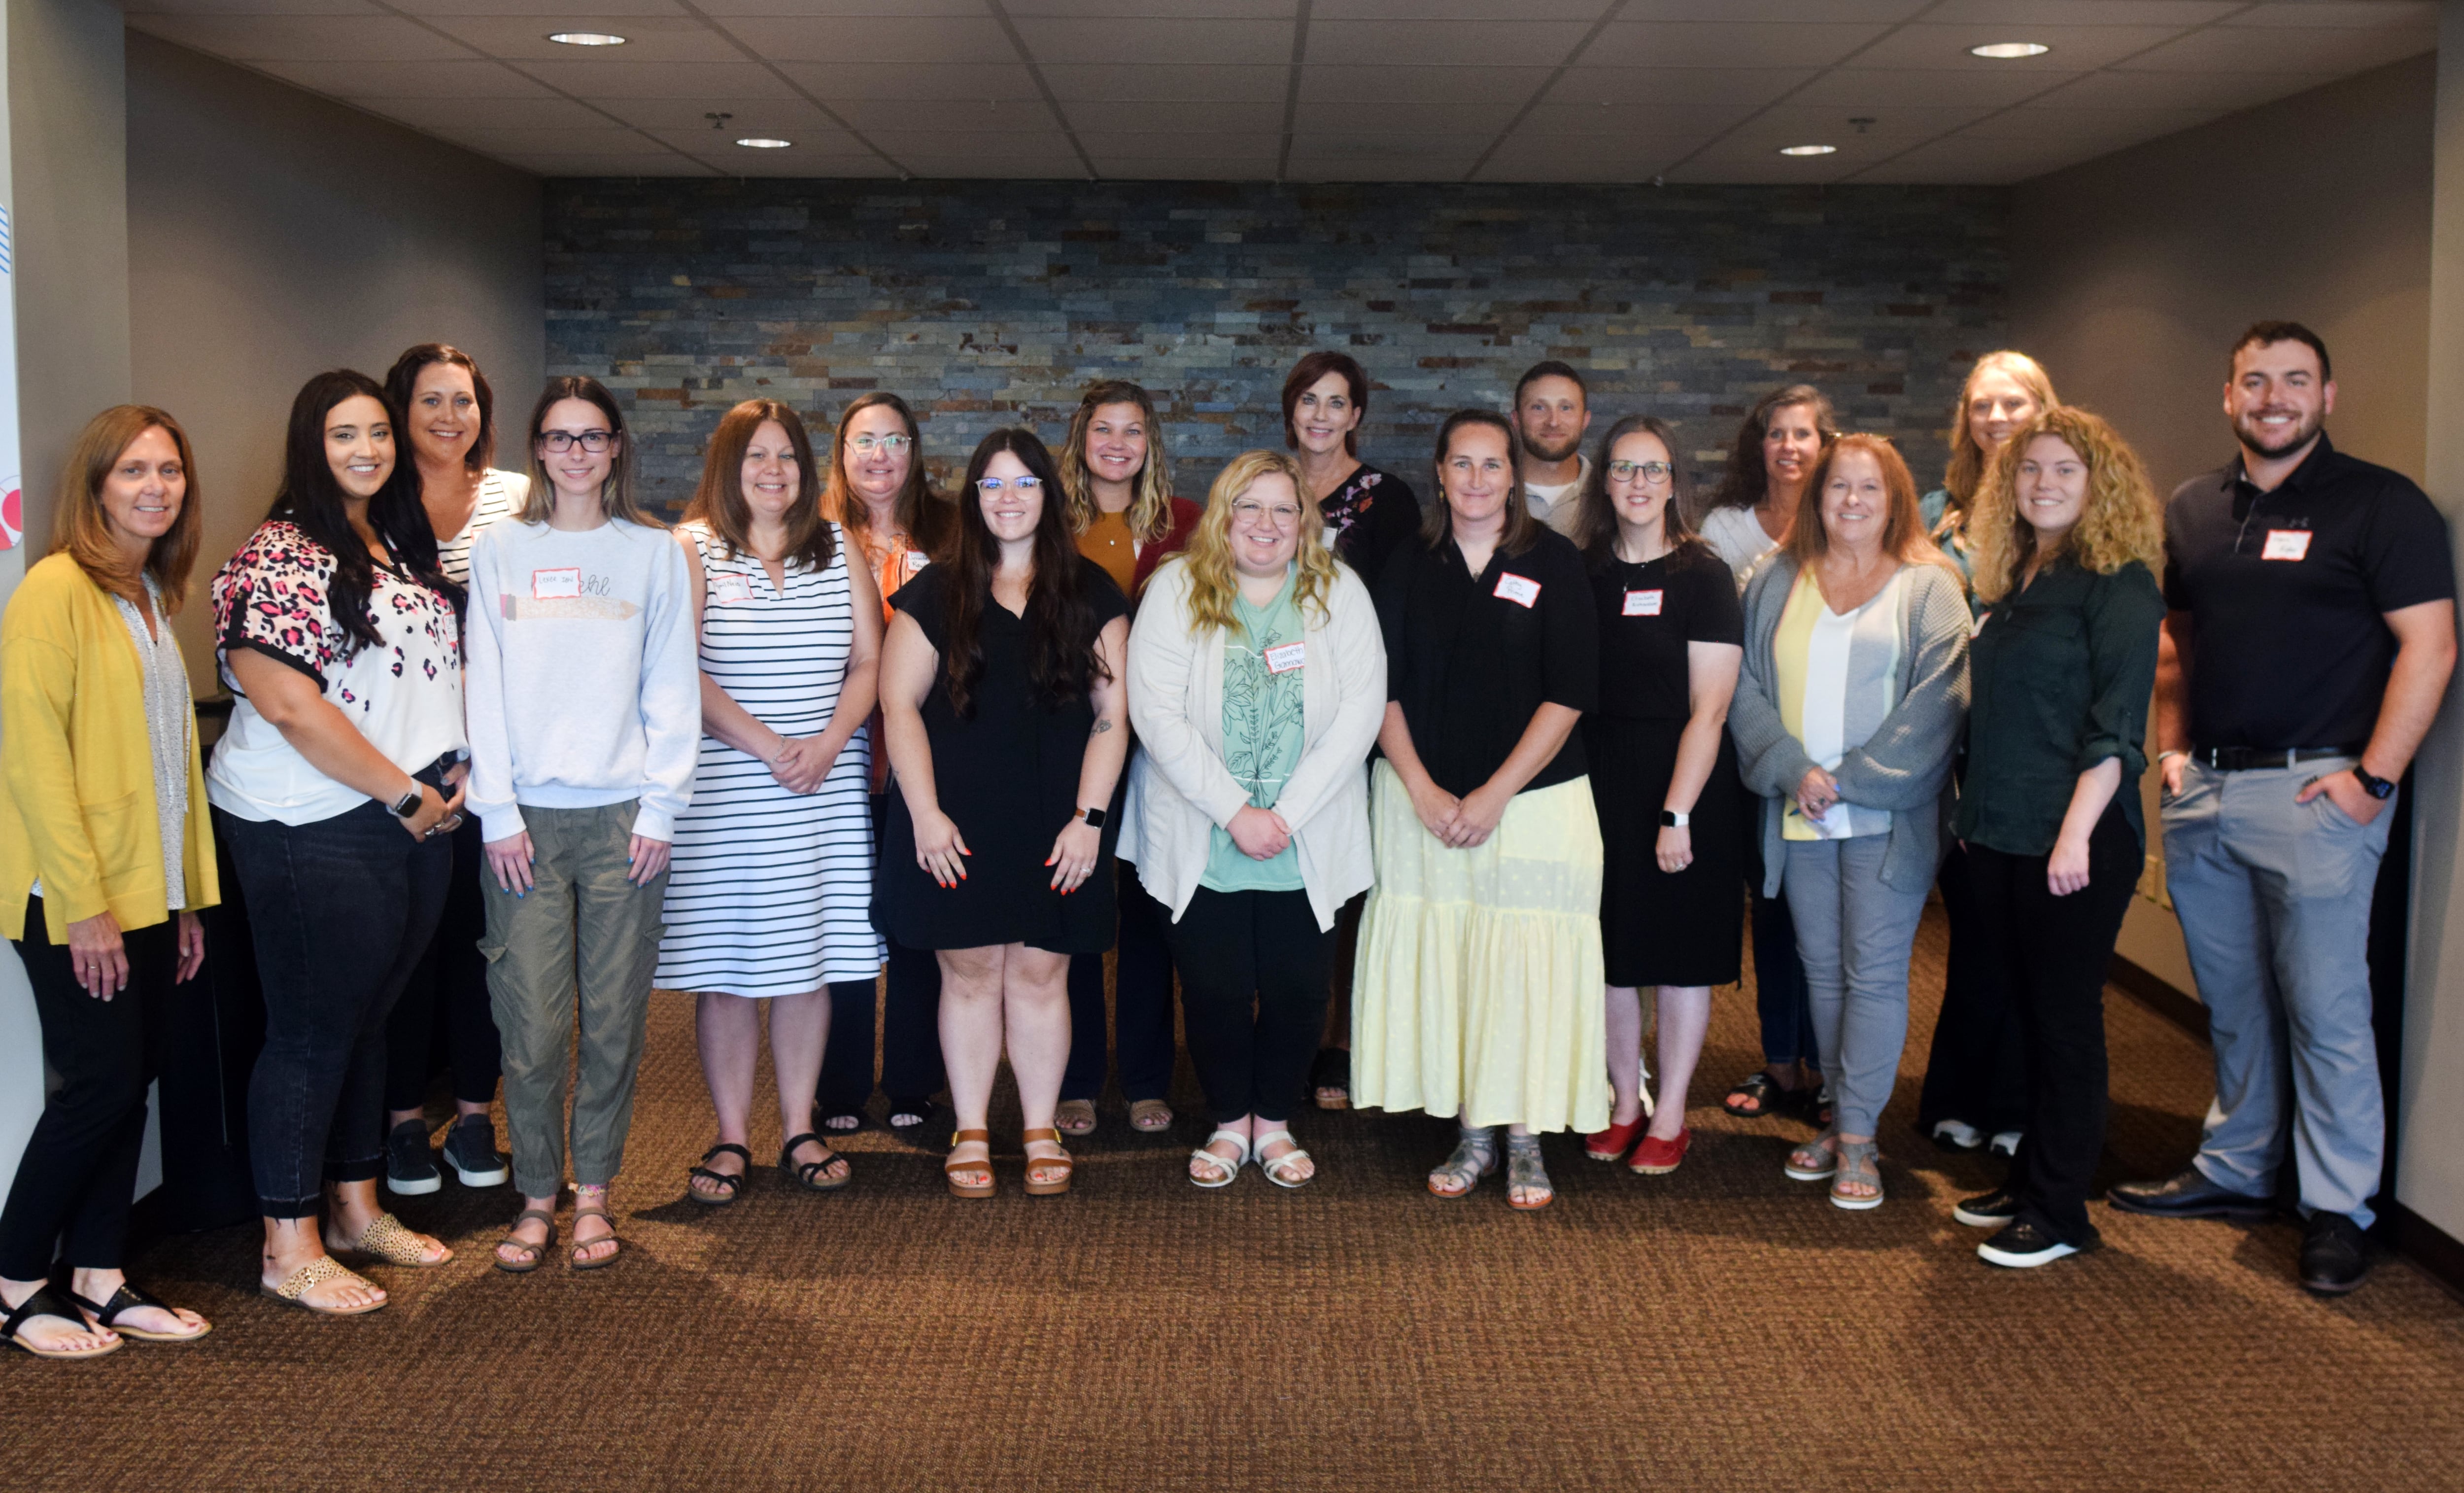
[735,1184]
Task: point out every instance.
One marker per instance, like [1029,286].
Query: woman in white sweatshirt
[1257,686]
[585,725]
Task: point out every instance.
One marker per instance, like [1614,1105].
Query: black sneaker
[2335,1255]
[470,1150]
[2026,1245]
[1986,1210]
[411,1166]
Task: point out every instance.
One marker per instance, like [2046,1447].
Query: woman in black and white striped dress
[770,894]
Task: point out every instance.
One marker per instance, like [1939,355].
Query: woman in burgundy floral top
[1367,512]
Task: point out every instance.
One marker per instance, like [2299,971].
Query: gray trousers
[1854,935]
[2275,902]
[579,917]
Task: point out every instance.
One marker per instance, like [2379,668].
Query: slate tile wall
[987,303]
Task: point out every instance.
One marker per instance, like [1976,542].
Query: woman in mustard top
[105,858]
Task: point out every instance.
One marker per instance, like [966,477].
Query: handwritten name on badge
[1641,603]
[550,585]
[2285,544]
[1284,658]
[1521,590]
[730,590]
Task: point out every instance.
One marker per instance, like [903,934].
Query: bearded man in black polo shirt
[2309,636]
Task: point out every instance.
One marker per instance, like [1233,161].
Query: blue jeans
[341,912]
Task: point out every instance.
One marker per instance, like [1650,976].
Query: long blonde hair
[1967,466]
[81,528]
[1215,581]
[2122,521]
[1150,514]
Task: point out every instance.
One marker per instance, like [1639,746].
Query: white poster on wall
[21,1034]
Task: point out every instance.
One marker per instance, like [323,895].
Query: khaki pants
[580,918]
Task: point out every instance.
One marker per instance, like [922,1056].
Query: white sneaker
[1958,1135]
[2005,1143]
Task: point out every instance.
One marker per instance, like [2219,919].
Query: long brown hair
[1061,630]
[718,499]
[1967,465]
[81,528]
[1904,530]
[1596,523]
[1214,578]
[917,512]
[2123,520]
[1150,514]
[1521,530]
[1745,479]
[615,494]
[401,380]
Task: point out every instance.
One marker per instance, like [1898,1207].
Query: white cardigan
[1180,789]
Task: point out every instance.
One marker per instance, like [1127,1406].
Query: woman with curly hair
[2068,535]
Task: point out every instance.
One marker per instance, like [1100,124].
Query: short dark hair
[2267,334]
[1306,374]
[1550,368]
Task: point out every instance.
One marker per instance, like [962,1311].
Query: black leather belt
[2242,759]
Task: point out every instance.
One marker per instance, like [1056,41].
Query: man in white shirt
[1552,411]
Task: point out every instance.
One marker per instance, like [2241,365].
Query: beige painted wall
[272,234]
[2131,274]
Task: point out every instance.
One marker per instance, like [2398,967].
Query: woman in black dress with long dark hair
[1664,777]
[1002,697]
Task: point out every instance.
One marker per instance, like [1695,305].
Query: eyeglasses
[1249,513]
[867,445]
[991,486]
[592,441]
[1654,473]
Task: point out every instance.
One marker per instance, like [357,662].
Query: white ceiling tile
[1897,127]
[1578,120]
[2219,92]
[647,38]
[833,82]
[644,163]
[1749,87]
[2077,49]
[1119,116]
[1418,146]
[1866,90]
[1316,169]
[304,38]
[1168,81]
[1140,146]
[878,10]
[1325,119]
[946,114]
[2082,12]
[1350,85]
[720,149]
[1187,168]
[1721,44]
[759,163]
[990,145]
[2096,130]
[1740,151]
[2283,49]
[875,39]
[1383,11]
[138,8]
[471,80]
[1182,10]
[1057,166]
[1446,43]
[745,115]
[433,114]
[1985,162]
[1635,157]
[598,78]
[437,7]
[1757,171]
[1138,43]
[1877,11]
[607,140]
[2417,16]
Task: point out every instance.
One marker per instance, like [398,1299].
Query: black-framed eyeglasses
[1654,473]
[592,441]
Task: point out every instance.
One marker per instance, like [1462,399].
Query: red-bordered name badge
[2285,544]
[550,585]
[1643,604]
[1521,590]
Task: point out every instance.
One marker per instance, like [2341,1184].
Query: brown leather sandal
[1067,1166]
[951,1169]
[532,1255]
[585,1210]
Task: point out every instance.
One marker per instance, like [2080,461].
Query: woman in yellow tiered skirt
[1477,990]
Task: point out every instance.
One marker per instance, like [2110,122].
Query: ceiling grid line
[798,89]
[1573,56]
[1292,87]
[1051,99]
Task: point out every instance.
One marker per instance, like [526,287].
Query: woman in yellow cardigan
[105,857]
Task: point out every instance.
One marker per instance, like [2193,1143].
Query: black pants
[1142,1002]
[452,980]
[1253,990]
[1977,1070]
[79,1174]
[1780,995]
[911,1029]
[340,910]
[2054,951]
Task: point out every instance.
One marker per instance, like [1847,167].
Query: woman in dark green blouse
[2067,536]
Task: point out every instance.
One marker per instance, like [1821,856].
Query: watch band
[1675,820]
[1095,818]
[2374,785]
[408,803]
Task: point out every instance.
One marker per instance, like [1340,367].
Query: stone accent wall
[987,303]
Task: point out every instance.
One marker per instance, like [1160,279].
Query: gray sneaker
[411,1166]
[470,1150]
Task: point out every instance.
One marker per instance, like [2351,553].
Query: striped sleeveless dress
[770,894]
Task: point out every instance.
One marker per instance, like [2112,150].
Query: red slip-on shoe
[1656,1157]
[1611,1144]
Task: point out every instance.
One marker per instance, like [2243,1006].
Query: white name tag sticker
[1643,604]
[549,585]
[730,590]
[1521,590]
[916,559]
[1286,657]
[2285,544]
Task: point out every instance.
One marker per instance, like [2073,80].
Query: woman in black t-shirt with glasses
[1476,993]
[1663,775]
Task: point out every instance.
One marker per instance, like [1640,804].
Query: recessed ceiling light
[586,38]
[765,143]
[1808,150]
[2005,50]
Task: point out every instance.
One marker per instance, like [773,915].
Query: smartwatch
[1674,819]
[408,803]
[1095,818]
[2378,788]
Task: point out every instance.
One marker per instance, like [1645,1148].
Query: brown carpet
[1721,1327]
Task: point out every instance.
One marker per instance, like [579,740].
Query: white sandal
[1273,1167]
[1229,1165]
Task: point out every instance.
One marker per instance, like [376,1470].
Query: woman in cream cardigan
[1257,684]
